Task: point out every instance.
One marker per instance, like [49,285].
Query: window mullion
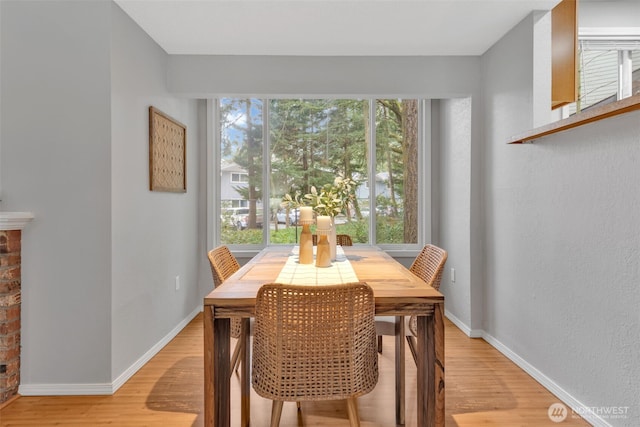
[625,71]
[266,174]
[213,173]
[424,169]
[371,162]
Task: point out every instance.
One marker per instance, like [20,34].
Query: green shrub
[241,237]
[389,230]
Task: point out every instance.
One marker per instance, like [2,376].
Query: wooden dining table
[397,292]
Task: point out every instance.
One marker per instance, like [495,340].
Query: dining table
[397,291]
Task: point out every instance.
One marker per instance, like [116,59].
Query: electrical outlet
[453,275]
[177,283]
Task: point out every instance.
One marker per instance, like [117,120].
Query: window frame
[249,250]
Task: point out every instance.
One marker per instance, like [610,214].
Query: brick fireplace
[11,225]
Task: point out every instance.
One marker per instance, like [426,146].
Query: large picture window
[269,148]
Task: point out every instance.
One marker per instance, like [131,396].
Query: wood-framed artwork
[167,153]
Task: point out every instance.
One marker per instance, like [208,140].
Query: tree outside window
[310,142]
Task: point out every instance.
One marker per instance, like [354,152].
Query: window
[608,68]
[269,148]
[238,178]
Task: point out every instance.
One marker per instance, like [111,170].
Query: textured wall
[454,204]
[562,243]
[56,163]
[155,235]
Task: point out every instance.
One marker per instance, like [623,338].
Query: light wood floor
[483,389]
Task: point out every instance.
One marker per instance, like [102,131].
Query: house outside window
[271,147]
[608,67]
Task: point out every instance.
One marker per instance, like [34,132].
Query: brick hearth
[10,244]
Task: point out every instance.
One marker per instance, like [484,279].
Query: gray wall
[453,205]
[155,235]
[56,162]
[608,14]
[436,77]
[101,256]
[562,241]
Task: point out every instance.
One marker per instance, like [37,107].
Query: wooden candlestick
[306,245]
[323,253]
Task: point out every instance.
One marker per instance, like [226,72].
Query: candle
[306,214]
[324,222]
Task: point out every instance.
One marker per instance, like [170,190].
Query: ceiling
[329,27]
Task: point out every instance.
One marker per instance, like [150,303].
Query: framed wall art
[167,153]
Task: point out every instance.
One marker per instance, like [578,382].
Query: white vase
[333,239]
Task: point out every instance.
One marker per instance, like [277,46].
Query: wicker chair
[341,239]
[314,343]
[428,265]
[223,265]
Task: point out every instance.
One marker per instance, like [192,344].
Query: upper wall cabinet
[564,40]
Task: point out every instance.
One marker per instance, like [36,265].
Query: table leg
[438,319]
[208,366]
[217,388]
[400,374]
[426,371]
[245,375]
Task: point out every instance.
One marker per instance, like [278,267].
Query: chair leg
[352,409]
[235,359]
[276,412]
[412,346]
[380,344]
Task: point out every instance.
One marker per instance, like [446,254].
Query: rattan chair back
[223,265]
[341,239]
[314,342]
[429,265]
[344,240]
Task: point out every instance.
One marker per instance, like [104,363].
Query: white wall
[562,242]
[155,235]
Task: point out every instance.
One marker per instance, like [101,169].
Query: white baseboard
[471,333]
[124,377]
[566,398]
[105,388]
[546,382]
[65,389]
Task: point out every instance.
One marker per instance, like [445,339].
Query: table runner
[294,273]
